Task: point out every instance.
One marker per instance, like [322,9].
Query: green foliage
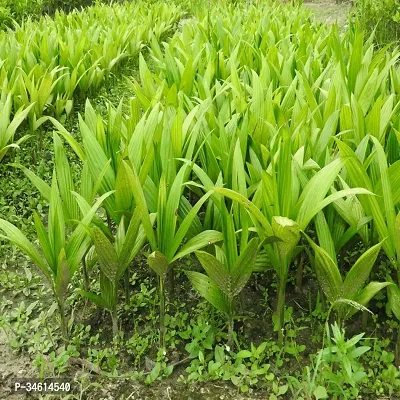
[114,259]
[352,287]
[379,364]
[381,17]
[18,10]
[5,15]
[247,127]
[227,272]
[46,62]
[341,372]
[337,371]
[60,253]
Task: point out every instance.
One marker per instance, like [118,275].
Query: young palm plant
[375,174]
[228,270]
[174,220]
[114,259]
[285,212]
[352,286]
[9,126]
[60,253]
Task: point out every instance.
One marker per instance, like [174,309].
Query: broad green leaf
[244,354]
[140,200]
[326,134]
[253,210]
[56,223]
[131,236]
[394,179]
[208,289]
[158,263]
[95,298]
[108,258]
[14,235]
[199,241]
[123,192]
[390,215]
[229,235]
[327,272]
[320,393]
[371,204]
[185,225]
[324,235]
[369,292]
[169,216]
[64,179]
[75,248]
[397,238]
[360,272]
[97,159]
[244,266]
[217,271]
[315,191]
[394,299]
[76,147]
[288,231]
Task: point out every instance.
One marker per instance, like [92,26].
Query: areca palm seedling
[49,60]
[8,127]
[171,227]
[352,286]
[228,270]
[60,253]
[394,290]
[114,259]
[284,200]
[297,207]
[386,225]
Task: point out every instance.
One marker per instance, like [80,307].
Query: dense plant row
[12,11]
[43,64]
[17,10]
[274,101]
[257,140]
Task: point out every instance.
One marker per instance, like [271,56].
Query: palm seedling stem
[126,284]
[281,309]
[85,274]
[230,331]
[64,325]
[114,318]
[162,312]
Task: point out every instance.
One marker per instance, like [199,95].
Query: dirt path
[330,12]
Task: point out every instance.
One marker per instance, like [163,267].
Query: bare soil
[327,11]
[12,366]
